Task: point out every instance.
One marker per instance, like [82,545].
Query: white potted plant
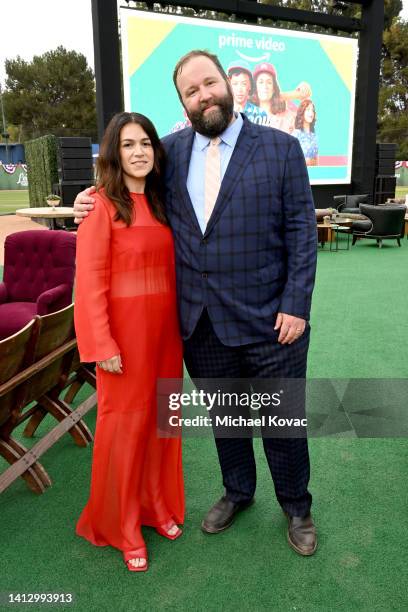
[53,200]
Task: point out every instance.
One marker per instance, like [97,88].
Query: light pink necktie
[212,176]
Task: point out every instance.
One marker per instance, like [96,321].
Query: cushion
[14,316]
[353,201]
[362,226]
[355,216]
[35,261]
[350,211]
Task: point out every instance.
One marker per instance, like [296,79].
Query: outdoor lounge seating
[384,222]
[39,270]
[349,203]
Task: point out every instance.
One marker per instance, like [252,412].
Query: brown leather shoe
[302,534]
[222,515]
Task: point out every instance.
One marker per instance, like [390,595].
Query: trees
[392,123]
[393,100]
[53,94]
[392,8]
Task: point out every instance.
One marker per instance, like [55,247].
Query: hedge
[41,157]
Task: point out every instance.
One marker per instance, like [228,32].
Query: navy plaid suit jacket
[258,253]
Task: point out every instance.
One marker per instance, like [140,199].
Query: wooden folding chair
[49,358]
[57,343]
[16,354]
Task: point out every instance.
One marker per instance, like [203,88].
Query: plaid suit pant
[288,458]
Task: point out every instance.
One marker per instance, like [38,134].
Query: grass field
[11,200]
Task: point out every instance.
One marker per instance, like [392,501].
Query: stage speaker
[385,159]
[384,188]
[75,168]
[75,159]
[385,180]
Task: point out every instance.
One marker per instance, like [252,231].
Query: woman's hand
[113,364]
[303,90]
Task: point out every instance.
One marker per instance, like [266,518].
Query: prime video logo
[256,401]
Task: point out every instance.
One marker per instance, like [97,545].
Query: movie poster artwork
[301,83]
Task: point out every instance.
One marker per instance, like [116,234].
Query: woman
[126,321]
[305,131]
[273,107]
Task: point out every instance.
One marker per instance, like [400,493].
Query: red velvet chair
[39,272]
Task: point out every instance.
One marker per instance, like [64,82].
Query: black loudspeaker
[75,167]
[385,180]
[384,188]
[385,159]
[68,190]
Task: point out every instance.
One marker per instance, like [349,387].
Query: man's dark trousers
[288,458]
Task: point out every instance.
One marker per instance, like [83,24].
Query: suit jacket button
[204,275]
[204,241]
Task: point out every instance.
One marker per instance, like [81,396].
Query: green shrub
[42,168]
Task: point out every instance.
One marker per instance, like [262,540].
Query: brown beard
[216,122]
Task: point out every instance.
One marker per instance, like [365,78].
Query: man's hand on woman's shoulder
[83,202]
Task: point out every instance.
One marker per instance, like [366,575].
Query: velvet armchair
[39,272]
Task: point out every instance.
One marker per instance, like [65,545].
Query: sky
[36,26]
[31,27]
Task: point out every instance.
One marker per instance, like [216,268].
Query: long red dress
[126,303]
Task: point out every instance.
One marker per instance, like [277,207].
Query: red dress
[126,303]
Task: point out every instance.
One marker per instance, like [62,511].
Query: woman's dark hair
[300,115]
[109,170]
[278,105]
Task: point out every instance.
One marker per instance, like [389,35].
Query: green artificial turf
[359,329]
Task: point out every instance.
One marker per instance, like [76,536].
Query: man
[240,206]
[242,85]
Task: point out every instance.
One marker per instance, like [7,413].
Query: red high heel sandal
[138,553]
[163,530]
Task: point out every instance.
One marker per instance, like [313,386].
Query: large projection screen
[306,68]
